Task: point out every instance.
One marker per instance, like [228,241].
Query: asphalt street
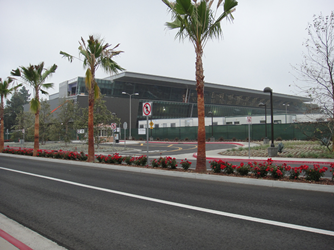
[82,207]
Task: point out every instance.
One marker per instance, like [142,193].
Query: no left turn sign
[147,108]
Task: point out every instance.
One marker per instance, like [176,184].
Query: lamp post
[266,90]
[261,104]
[211,113]
[124,93]
[286,111]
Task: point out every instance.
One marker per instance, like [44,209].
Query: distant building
[174,98]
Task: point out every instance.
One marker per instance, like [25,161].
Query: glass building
[177,98]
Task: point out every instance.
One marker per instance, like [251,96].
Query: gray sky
[257,49]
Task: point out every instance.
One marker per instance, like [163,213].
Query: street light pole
[125,93]
[261,104]
[266,90]
[286,111]
[210,113]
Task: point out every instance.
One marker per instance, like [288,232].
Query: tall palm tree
[35,76]
[4,91]
[197,21]
[95,54]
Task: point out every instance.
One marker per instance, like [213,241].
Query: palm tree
[95,54]
[4,91]
[35,77]
[197,22]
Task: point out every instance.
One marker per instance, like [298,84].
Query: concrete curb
[207,177]
[31,239]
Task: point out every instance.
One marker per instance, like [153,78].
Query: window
[156,125]
[172,125]
[215,123]
[141,126]
[236,123]
[262,122]
[277,121]
[228,123]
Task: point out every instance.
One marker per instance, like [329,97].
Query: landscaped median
[264,171]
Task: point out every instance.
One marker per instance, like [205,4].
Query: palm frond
[88,79]
[66,55]
[47,85]
[48,72]
[34,105]
[43,92]
[16,72]
[96,91]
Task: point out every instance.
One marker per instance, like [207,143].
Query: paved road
[89,208]
[172,148]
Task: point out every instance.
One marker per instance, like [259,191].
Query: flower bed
[262,170]
[266,170]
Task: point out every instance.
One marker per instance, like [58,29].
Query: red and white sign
[249,119]
[147,108]
[113,126]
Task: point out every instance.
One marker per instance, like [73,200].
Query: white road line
[200,209]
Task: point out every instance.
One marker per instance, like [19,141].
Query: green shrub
[243,169]
[128,160]
[185,164]
[155,163]
[314,174]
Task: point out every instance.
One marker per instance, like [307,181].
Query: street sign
[113,126]
[80,131]
[147,108]
[125,125]
[249,119]
[151,125]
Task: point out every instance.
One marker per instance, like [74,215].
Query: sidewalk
[14,236]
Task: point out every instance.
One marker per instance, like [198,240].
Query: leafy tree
[197,22]
[102,117]
[24,122]
[95,54]
[4,91]
[35,76]
[15,105]
[317,69]
[65,118]
[45,121]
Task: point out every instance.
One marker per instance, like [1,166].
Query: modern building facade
[174,98]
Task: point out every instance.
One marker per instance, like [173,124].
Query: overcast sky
[257,49]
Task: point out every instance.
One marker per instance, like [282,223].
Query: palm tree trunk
[332,128]
[201,154]
[2,124]
[36,136]
[91,127]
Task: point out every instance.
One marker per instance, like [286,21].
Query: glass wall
[179,101]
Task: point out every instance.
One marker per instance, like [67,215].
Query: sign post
[249,121]
[113,128]
[151,128]
[125,126]
[147,111]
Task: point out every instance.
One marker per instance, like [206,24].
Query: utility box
[116,137]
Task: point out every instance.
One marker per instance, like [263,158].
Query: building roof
[176,82]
